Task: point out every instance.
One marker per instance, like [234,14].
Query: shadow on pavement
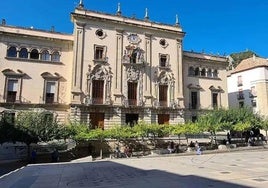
[103,174]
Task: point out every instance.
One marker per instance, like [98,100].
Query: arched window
[191,71]
[209,73]
[23,53]
[196,71]
[34,54]
[45,56]
[55,57]
[12,51]
[215,73]
[203,72]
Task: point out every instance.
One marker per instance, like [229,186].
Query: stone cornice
[90,15]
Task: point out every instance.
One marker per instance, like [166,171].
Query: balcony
[252,94]
[163,103]
[100,60]
[239,83]
[132,102]
[164,66]
[97,100]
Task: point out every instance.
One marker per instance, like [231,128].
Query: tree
[36,126]
[238,57]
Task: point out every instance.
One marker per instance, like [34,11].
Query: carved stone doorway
[97,120]
[132,119]
[163,119]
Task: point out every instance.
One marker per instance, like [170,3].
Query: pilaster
[179,74]
[78,63]
[147,77]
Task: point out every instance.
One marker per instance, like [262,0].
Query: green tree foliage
[231,119]
[238,57]
[37,126]
[7,131]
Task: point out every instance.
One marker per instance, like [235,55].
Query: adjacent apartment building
[248,85]
[112,70]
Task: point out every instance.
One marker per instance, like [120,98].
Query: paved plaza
[219,170]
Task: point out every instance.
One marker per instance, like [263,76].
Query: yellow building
[111,70]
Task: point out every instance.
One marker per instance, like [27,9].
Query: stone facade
[112,70]
[205,83]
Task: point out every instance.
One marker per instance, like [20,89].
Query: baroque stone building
[111,70]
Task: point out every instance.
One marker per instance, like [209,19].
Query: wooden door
[97,120]
[163,119]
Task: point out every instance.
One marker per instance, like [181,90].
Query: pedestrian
[33,156]
[171,147]
[229,138]
[55,155]
[117,152]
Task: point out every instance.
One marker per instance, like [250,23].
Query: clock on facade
[133,38]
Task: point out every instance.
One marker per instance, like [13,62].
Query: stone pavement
[220,170]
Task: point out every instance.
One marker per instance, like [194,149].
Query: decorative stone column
[78,63]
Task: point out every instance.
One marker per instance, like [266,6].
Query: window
[50,92]
[194,99]
[97,91]
[163,60]
[34,54]
[163,42]
[100,52]
[51,87]
[241,104]
[240,95]
[100,33]
[12,89]
[45,56]
[215,100]
[196,71]
[133,57]
[23,53]
[163,89]
[209,73]
[132,93]
[215,73]
[191,71]
[203,72]
[239,81]
[252,92]
[253,103]
[55,57]
[12,51]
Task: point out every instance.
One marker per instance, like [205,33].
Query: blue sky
[213,26]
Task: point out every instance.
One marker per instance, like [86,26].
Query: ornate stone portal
[99,72]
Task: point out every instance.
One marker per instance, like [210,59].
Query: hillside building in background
[113,70]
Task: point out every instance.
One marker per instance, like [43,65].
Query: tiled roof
[250,63]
